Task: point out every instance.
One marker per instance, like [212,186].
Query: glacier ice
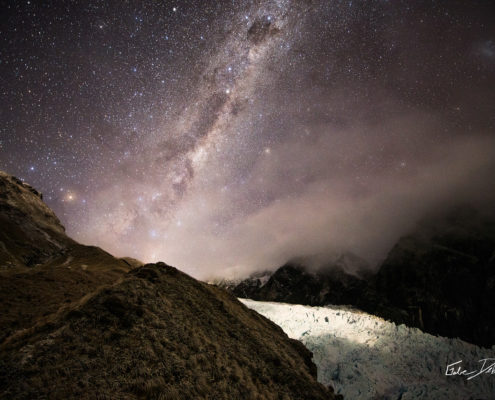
[366,357]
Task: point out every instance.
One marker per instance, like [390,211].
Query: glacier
[365,357]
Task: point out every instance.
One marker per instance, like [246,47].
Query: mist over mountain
[439,278]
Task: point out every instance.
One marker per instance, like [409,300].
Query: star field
[232,135]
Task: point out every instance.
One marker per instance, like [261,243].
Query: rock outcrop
[30,232]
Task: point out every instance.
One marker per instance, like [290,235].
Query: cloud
[309,144]
[314,199]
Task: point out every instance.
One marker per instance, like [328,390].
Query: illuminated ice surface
[366,357]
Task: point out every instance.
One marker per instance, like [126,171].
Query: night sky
[227,136]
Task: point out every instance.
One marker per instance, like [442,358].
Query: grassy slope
[157,334]
[27,294]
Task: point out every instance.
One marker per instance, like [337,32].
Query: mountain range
[439,278]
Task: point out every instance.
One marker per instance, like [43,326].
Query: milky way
[224,137]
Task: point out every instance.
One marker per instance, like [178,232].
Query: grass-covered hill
[76,322]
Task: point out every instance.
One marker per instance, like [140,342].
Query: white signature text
[487,367]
